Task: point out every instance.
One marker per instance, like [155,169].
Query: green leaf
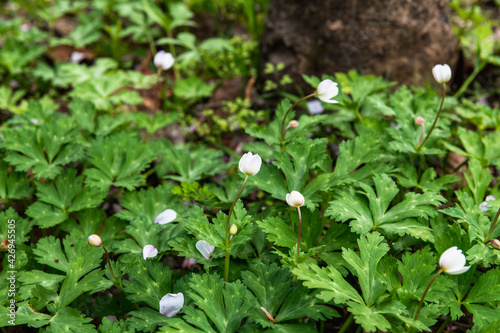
[368,210]
[146,320]
[64,195]
[191,163]
[149,282]
[353,153]
[118,160]
[226,305]
[480,181]
[278,232]
[43,150]
[270,180]
[193,88]
[408,178]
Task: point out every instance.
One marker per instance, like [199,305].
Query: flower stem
[471,78]
[435,120]
[226,263]
[423,297]
[421,135]
[444,325]
[109,264]
[492,227]
[288,111]
[298,242]
[346,324]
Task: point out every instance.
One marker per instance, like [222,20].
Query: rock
[400,39]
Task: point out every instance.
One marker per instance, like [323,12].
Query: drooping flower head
[166,216]
[452,261]
[170,304]
[250,164]
[163,60]
[149,251]
[442,73]
[327,89]
[295,199]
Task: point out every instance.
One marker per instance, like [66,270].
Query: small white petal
[452,261]
[170,304]
[149,251]
[490,198]
[166,216]
[205,248]
[76,57]
[459,271]
[327,89]
[484,207]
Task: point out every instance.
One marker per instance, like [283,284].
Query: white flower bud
[452,261]
[295,199]
[327,89]
[163,60]
[95,240]
[250,164]
[442,73]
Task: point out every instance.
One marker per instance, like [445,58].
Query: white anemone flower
[442,73]
[452,261]
[295,199]
[327,89]
[250,164]
[163,60]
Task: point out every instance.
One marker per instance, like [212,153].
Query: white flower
[327,89]
[250,164]
[95,240]
[484,207]
[166,216]
[170,304]
[205,248]
[295,199]
[315,106]
[149,251]
[76,57]
[442,73]
[490,198]
[163,60]
[452,261]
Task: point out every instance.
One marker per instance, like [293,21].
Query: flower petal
[205,248]
[170,304]
[149,251]
[166,216]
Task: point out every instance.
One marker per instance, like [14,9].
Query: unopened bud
[233,230]
[293,124]
[419,121]
[495,243]
[95,240]
[268,315]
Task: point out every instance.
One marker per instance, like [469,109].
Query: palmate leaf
[278,232]
[149,282]
[225,304]
[13,185]
[118,160]
[408,178]
[467,211]
[369,210]
[270,180]
[45,149]
[150,203]
[480,146]
[353,153]
[480,299]
[147,320]
[190,163]
[66,194]
[479,182]
[271,133]
[272,287]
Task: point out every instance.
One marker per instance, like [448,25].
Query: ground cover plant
[133,202]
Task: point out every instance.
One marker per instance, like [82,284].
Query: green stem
[172,51]
[288,111]
[435,120]
[109,264]
[492,227]
[156,106]
[298,242]
[421,134]
[471,78]
[423,297]
[226,264]
[444,325]
[346,324]
[358,114]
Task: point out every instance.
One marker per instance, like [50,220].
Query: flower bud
[442,73]
[95,240]
[163,60]
[233,230]
[419,121]
[294,124]
[250,164]
[495,243]
[327,89]
[295,199]
[452,261]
